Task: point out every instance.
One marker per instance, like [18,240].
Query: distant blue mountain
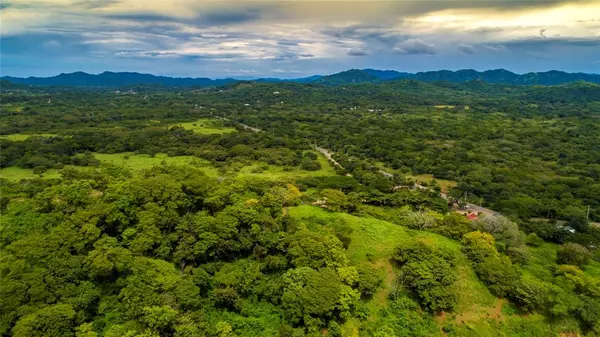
[386,75]
[353,76]
[111,79]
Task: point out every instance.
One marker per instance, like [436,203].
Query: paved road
[329,155]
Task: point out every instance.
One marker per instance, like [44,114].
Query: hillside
[352,76]
[111,79]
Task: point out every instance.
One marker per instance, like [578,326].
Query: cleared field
[206,126]
[446,185]
[17,173]
[138,162]
[15,137]
[279,172]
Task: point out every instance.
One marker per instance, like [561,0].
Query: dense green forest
[151,211]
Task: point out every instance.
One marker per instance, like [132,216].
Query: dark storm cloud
[222,17]
[385,34]
[228,17]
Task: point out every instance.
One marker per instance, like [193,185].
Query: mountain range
[352,76]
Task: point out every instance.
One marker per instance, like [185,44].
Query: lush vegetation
[157,213]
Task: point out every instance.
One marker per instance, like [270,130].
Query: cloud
[52,44]
[415,46]
[485,30]
[286,71]
[357,52]
[285,42]
[287,55]
[228,17]
[311,36]
[466,49]
[495,48]
[592,41]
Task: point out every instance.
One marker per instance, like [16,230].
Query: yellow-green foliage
[138,162]
[16,173]
[23,136]
[206,126]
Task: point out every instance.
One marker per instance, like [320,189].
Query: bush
[498,274]
[530,294]
[479,246]
[310,165]
[39,170]
[574,254]
[534,240]
[453,225]
[369,280]
[430,273]
[518,255]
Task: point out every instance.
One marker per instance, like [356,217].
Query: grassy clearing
[16,137]
[206,126]
[542,263]
[279,172]
[444,106]
[446,185]
[16,173]
[138,162]
[373,241]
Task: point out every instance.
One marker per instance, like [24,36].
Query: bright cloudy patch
[202,38]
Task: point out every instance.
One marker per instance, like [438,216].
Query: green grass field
[17,173]
[138,162]
[206,126]
[373,241]
[278,172]
[15,137]
[446,185]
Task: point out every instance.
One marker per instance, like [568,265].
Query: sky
[290,39]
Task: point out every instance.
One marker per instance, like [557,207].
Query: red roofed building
[472,216]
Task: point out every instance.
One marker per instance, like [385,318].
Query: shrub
[498,274]
[534,240]
[574,254]
[430,273]
[479,246]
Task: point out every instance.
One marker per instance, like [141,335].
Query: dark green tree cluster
[431,273]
